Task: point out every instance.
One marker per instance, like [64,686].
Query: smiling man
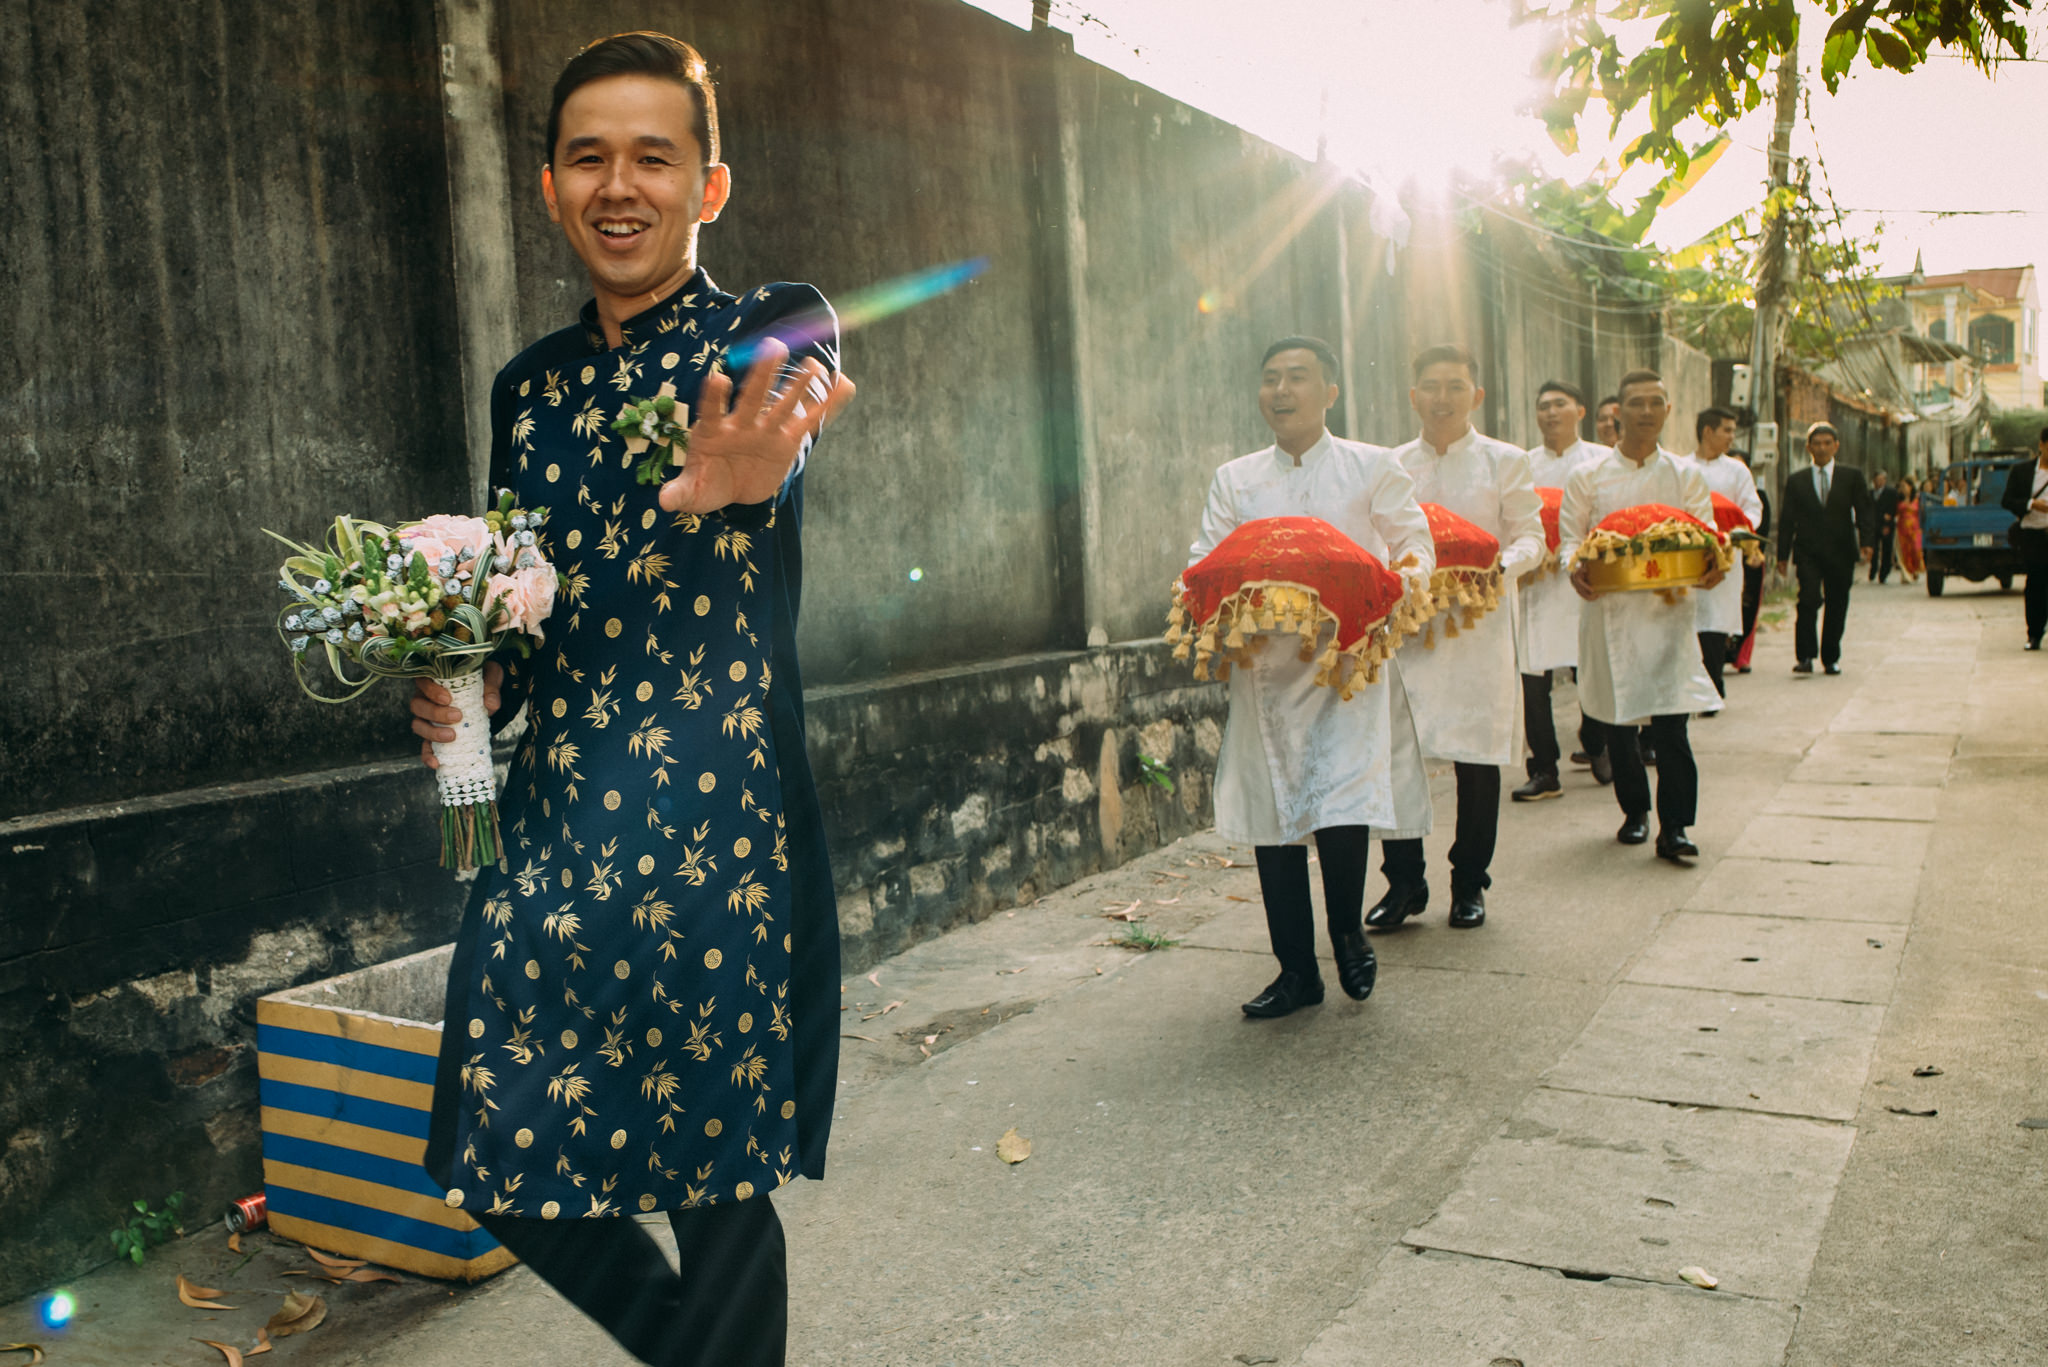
[642,1008]
[1297,759]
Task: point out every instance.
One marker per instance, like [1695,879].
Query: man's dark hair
[1610,399]
[642,54]
[1446,352]
[1325,357]
[2044,434]
[1564,387]
[1710,417]
[1637,377]
[1821,427]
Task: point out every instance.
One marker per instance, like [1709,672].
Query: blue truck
[1968,540]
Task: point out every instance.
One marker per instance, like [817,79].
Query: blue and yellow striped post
[345,1097]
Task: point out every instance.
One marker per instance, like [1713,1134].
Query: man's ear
[717,190]
[547,193]
[1478,397]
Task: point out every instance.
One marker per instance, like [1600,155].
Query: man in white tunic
[1462,690]
[1297,758]
[1549,637]
[1718,611]
[1639,659]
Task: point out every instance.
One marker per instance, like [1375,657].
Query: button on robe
[1296,757]
[1639,656]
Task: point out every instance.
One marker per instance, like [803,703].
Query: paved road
[1511,1152]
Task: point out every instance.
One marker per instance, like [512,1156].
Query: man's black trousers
[1881,559]
[729,1307]
[1541,725]
[2034,556]
[1823,597]
[1283,886]
[1471,850]
[1714,655]
[1678,776]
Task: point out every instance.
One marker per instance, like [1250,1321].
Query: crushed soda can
[250,1212]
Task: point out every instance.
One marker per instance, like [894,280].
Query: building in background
[1996,315]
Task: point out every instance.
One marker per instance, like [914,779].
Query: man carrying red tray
[1548,639]
[1639,659]
[1463,690]
[1298,758]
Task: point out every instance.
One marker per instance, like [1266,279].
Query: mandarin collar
[695,292]
[1462,444]
[1308,457]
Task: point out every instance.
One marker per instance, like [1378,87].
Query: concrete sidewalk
[1510,1152]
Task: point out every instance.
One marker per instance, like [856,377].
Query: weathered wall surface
[249,317]
[223,269]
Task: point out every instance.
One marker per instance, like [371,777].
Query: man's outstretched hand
[741,450]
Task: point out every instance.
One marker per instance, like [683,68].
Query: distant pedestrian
[1885,503]
[1827,523]
[2026,497]
[1911,562]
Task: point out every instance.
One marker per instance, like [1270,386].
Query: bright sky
[1415,90]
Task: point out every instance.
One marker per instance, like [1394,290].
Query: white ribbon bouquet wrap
[436,599]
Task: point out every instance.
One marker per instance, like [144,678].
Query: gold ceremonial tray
[1657,570]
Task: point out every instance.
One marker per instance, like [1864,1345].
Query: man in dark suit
[1885,499]
[2026,498]
[1826,525]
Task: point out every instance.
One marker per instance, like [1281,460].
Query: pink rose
[525,597]
[446,534]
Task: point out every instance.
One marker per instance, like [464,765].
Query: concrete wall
[236,304]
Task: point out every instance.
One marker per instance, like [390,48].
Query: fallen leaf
[1124,914]
[199,1297]
[849,1035]
[925,1049]
[890,1007]
[370,1274]
[876,977]
[1233,897]
[1253,1360]
[329,1260]
[298,1314]
[1875,944]
[1098,971]
[1908,1110]
[1166,901]
[34,1351]
[2035,1122]
[234,1243]
[1168,873]
[1013,1148]
[1700,1277]
[1124,908]
[262,1343]
[1006,972]
[233,1355]
[1927,1070]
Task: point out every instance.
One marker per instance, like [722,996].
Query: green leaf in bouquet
[419,579]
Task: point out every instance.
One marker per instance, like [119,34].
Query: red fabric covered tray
[1729,517]
[1466,584]
[1291,574]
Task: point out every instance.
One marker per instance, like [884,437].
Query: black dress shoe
[1803,667]
[1581,758]
[2033,643]
[1468,910]
[1649,758]
[1742,669]
[1830,669]
[1537,788]
[1603,769]
[1357,966]
[1634,830]
[1674,846]
[1285,995]
[1397,906]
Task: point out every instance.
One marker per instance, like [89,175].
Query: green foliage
[1156,772]
[1143,939]
[1711,58]
[146,1228]
[1707,291]
[2018,429]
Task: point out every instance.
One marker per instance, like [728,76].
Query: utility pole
[1774,273]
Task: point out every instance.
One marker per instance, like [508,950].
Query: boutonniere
[658,427]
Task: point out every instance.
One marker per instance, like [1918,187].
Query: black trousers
[1283,886]
[1714,655]
[2034,555]
[1752,596]
[1881,559]
[1472,848]
[729,1307]
[1541,725]
[1823,596]
[1678,776]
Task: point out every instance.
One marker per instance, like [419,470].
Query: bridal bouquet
[433,598]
